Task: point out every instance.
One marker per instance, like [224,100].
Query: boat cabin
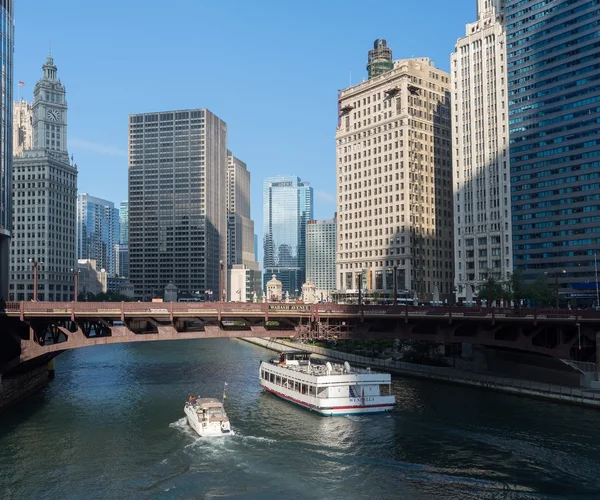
[294,357]
[211,410]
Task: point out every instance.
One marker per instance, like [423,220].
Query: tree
[491,290]
[540,290]
[518,288]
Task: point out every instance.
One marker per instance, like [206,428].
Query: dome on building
[274,281]
[171,293]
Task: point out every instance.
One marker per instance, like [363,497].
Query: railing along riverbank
[528,388]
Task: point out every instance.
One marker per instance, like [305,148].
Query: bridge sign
[289,307]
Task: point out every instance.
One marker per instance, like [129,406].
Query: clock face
[53,115]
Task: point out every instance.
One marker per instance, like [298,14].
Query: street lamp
[220,281]
[76,276]
[395,269]
[578,335]
[35,269]
[556,284]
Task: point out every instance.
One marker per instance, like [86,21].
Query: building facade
[287,208]
[177,202]
[240,227]
[123,249]
[6,131]
[482,225]
[98,232]
[244,284]
[44,201]
[321,245]
[553,88]
[22,126]
[394,183]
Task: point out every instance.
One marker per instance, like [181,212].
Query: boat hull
[335,411]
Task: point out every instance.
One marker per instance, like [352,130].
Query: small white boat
[328,388]
[207,417]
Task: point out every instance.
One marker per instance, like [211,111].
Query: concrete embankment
[527,388]
[20,386]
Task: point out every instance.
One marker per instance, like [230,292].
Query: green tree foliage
[540,291]
[492,290]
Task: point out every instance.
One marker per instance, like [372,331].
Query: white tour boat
[327,388]
[207,417]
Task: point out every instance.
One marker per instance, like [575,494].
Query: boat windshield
[216,412]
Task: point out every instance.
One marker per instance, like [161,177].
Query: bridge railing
[291,308]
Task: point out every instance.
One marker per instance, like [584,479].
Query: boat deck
[320,370]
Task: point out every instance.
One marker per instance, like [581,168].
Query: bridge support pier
[51,369]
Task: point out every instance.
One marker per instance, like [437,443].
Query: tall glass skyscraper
[287,207]
[553,64]
[6,129]
[97,231]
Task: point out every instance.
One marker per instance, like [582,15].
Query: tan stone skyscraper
[22,127]
[394,191]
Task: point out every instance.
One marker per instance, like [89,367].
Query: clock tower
[45,198]
[50,113]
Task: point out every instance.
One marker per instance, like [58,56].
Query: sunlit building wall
[482,225]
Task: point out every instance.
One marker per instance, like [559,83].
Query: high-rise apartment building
[123,248]
[394,183]
[553,89]
[240,227]
[44,201]
[482,225]
[22,126]
[177,202]
[287,208]
[6,131]
[320,256]
[98,232]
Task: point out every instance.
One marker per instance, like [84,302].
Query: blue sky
[270,69]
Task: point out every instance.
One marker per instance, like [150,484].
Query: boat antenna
[224,392]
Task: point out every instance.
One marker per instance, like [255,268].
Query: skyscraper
[6,80]
[97,232]
[321,246]
[287,207]
[553,88]
[177,202]
[482,225]
[394,183]
[123,248]
[44,201]
[22,127]
[240,227]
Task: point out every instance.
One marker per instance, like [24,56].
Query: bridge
[40,330]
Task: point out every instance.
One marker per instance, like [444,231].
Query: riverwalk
[519,387]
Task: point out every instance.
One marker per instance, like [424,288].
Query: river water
[111,426]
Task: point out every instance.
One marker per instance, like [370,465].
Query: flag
[21,84]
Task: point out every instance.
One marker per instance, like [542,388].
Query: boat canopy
[294,356]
